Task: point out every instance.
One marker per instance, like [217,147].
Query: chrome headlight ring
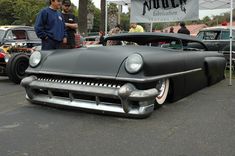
[134,63]
[35,59]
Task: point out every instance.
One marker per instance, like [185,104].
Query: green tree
[7,12]
[25,11]
[125,21]
[96,26]
[206,19]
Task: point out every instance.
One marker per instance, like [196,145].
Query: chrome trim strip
[154,78]
[70,75]
[148,79]
[224,40]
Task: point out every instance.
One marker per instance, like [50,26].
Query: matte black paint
[108,63]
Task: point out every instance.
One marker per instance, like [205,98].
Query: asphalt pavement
[202,124]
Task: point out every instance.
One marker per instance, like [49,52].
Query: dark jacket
[50,23]
[184,30]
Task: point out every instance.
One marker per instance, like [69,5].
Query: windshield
[2,33]
[164,43]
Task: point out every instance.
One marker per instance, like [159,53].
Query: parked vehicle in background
[218,39]
[18,34]
[16,44]
[91,40]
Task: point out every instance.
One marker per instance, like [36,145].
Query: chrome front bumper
[127,94]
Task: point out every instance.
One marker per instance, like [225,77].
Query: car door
[195,64]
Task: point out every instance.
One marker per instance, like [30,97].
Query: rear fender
[215,67]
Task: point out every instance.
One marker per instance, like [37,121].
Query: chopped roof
[218,28]
[6,27]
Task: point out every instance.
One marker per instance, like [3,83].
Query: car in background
[130,79]
[16,43]
[218,39]
[91,40]
[16,34]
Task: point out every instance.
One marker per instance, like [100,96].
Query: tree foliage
[20,11]
[7,12]
[24,12]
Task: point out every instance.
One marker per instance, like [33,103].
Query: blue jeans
[48,44]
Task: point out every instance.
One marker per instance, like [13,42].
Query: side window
[19,34]
[32,35]
[9,35]
[175,44]
[200,35]
[2,34]
[225,35]
[211,35]
[194,46]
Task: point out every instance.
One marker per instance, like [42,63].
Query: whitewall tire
[163,87]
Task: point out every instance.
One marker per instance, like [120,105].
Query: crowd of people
[57,29]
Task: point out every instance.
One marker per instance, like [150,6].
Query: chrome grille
[81,82]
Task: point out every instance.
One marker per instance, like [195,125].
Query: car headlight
[134,63]
[6,58]
[35,59]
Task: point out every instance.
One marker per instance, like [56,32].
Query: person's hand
[65,40]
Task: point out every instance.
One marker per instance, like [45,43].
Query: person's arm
[65,33]
[40,25]
[73,25]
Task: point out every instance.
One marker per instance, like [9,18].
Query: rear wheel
[163,88]
[16,67]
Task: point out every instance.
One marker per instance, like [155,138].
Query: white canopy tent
[203,5]
[215,4]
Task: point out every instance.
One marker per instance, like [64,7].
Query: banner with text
[147,11]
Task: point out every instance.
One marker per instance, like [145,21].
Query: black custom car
[131,79]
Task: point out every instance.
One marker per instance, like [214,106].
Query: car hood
[102,61]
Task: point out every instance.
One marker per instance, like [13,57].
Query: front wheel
[163,88]
[16,67]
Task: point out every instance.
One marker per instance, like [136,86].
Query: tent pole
[106,17]
[231,39]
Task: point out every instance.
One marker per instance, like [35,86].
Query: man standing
[136,28]
[70,23]
[183,29]
[50,26]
